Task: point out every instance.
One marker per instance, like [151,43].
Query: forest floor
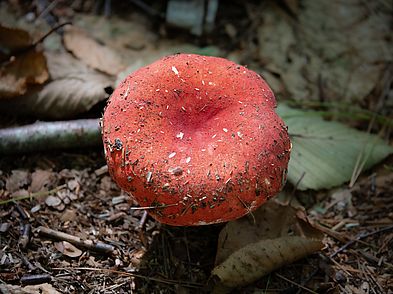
[148,257]
[71,192]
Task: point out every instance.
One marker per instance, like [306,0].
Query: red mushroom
[196,139]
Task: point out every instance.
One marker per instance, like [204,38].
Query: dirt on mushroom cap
[197,138]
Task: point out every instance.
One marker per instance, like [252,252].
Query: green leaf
[327,153]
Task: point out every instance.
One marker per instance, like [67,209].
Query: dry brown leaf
[248,251]
[22,64]
[32,289]
[74,89]
[41,289]
[17,180]
[92,53]
[68,249]
[40,179]
[13,39]
[326,54]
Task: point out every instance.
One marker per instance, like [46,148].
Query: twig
[165,281]
[35,279]
[248,209]
[294,283]
[336,235]
[88,244]
[142,221]
[22,213]
[50,32]
[24,238]
[153,207]
[359,237]
[33,195]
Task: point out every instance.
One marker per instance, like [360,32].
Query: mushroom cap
[196,139]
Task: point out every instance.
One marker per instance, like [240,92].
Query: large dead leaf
[74,89]
[22,64]
[92,53]
[247,250]
[335,50]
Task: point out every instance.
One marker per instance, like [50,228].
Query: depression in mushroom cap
[196,138]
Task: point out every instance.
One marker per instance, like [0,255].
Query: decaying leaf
[40,179]
[14,39]
[247,250]
[17,180]
[335,50]
[327,152]
[91,52]
[22,64]
[68,249]
[74,88]
[32,289]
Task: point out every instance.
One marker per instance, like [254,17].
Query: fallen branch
[87,244]
[50,135]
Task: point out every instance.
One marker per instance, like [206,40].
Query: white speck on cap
[174,69]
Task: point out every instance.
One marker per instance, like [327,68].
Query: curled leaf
[92,53]
[247,251]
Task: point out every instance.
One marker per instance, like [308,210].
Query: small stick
[27,262]
[35,279]
[294,283]
[88,244]
[24,239]
[23,213]
[153,207]
[142,221]
[358,238]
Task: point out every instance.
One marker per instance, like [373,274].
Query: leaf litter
[23,64]
[356,255]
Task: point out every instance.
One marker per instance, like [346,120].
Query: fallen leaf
[68,249]
[14,39]
[17,180]
[41,289]
[335,50]
[35,289]
[40,179]
[74,89]
[21,66]
[92,53]
[326,152]
[247,251]
[68,215]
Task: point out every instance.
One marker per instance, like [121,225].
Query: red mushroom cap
[197,138]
